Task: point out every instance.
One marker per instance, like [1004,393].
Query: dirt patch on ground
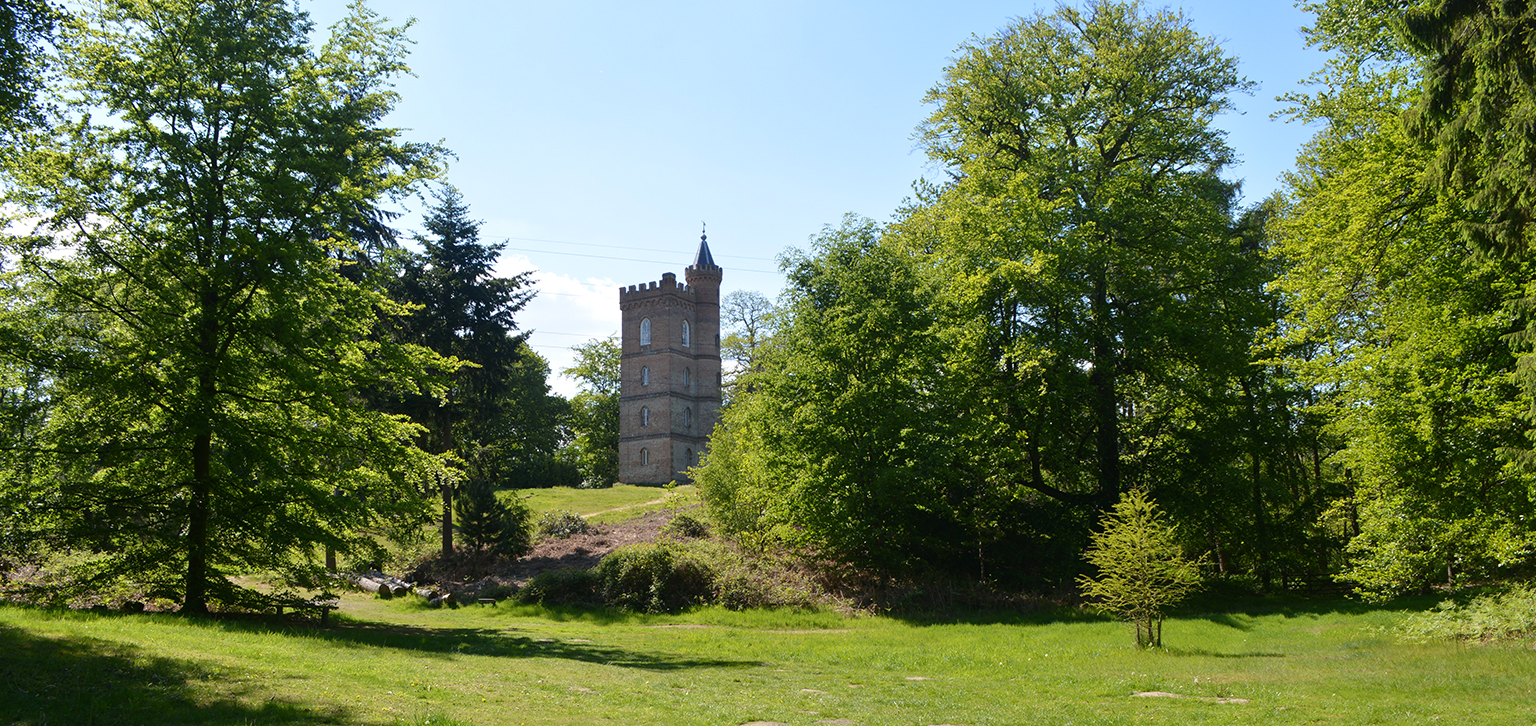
[466,576]
[584,550]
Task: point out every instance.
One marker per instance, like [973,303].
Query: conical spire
[704,260]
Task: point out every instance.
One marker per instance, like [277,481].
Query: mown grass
[1312,662]
[614,504]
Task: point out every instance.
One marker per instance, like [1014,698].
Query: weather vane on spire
[703,229]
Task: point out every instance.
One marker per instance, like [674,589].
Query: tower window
[687,378]
[645,456]
[688,418]
[645,415]
[685,333]
[645,331]
[645,375]
[688,456]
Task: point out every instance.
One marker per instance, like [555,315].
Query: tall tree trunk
[198,506]
[1255,446]
[196,600]
[1106,409]
[447,490]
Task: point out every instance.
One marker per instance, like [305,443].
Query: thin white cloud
[567,311]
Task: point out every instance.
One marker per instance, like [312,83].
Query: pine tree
[465,313]
[485,520]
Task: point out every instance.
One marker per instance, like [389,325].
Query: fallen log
[376,587]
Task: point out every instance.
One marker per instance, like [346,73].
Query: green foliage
[1476,102]
[747,322]
[1499,617]
[561,524]
[25,25]
[1396,328]
[569,586]
[489,522]
[184,298]
[839,446]
[594,419]
[654,578]
[1070,313]
[501,400]
[686,526]
[1142,570]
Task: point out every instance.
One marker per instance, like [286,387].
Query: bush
[686,526]
[560,524]
[489,522]
[1508,616]
[654,578]
[1142,568]
[561,587]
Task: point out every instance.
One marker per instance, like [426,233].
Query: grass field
[619,502]
[1324,662]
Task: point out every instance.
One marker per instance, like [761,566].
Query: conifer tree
[466,313]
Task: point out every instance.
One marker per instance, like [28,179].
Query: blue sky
[594,137]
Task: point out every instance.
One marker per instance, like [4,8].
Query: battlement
[666,286]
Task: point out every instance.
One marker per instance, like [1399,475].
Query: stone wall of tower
[669,389]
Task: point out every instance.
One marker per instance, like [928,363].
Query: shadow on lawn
[493,642]
[90,681]
[1222,607]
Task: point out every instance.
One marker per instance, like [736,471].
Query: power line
[620,247]
[622,259]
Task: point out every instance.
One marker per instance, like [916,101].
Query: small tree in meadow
[1142,569]
[486,521]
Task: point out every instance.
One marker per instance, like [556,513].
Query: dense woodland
[219,355]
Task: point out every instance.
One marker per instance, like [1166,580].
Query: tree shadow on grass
[1224,609]
[91,681]
[491,642]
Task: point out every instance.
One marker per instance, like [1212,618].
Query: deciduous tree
[184,302]
[1142,570]
[594,417]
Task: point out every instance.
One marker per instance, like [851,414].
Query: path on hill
[627,506]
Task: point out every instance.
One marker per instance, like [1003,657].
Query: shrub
[1142,569]
[496,590]
[654,578]
[560,524]
[1508,616]
[561,587]
[489,522]
[686,526]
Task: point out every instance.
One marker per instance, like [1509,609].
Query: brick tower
[669,375]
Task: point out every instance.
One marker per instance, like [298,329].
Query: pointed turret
[704,260]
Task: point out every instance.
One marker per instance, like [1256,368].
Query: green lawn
[1326,663]
[619,502]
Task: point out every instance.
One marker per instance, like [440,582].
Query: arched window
[685,333]
[688,418]
[719,380]
[645,457]
[645,415]
[688,456]
[645,375]
[645,331]
[687,378]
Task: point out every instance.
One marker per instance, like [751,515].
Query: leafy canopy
[185,305]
